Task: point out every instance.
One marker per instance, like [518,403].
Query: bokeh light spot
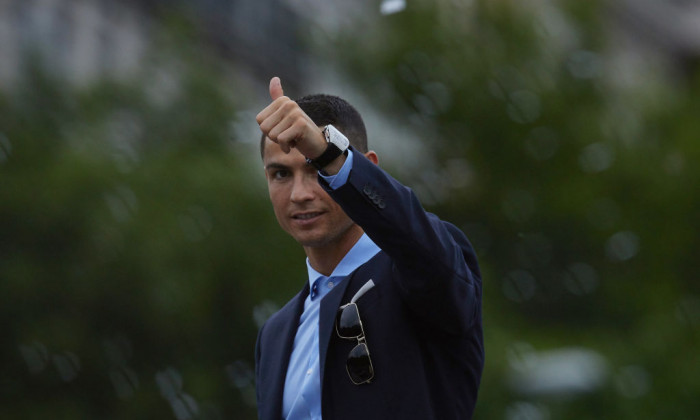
[439,95]
[124,381]
[67,364]
[170,383]
[507,80]
[584,64]
[389,7]
[124,130]
[5,148]
[633,381]
[521,356]
[519,286]
[407,74]
[240,374]
[122,203]
[562,371]
[622,246]
[583,279]
[263,311]
[596,157]
[524,106]
[424,105]
[185,407]
[36,356]
[688,311]
[524,410]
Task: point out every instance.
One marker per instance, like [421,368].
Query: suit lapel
[326,322]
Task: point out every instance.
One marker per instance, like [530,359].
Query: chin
[312,242]
[314,239]
[320,237]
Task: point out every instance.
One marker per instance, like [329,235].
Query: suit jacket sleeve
[434,263]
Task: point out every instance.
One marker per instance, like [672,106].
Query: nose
[303,188]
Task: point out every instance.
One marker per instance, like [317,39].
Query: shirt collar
[363,250]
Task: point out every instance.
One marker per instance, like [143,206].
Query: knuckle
[299,123]
[289,106]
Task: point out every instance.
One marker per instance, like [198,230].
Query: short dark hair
[328,109]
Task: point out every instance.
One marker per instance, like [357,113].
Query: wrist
[336,146]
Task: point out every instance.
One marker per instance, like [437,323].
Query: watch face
[336,137]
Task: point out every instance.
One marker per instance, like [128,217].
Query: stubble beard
[332,238]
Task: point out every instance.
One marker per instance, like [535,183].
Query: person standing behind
[388,325]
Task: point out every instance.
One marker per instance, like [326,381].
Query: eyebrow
[274,165]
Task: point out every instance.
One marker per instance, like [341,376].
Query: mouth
[306,216]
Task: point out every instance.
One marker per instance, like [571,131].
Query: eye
[280,174]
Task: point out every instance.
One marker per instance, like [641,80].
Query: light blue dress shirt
[338,180]
[302,386]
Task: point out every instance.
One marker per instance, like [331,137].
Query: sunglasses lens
[359,364]
[348,322]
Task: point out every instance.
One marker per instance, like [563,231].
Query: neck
[325,258]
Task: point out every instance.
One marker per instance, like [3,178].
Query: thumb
[276,88]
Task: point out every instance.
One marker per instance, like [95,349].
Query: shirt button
[309,372]
[330,284]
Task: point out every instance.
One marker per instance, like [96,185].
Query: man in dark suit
[388,325]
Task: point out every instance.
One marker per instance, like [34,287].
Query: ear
[372,156]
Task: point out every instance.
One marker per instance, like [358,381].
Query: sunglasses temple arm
[362,291]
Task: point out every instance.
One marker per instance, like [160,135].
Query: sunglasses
[348,325]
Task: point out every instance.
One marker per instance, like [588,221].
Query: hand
[286,124]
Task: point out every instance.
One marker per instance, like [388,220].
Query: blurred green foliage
[139,253]
[136,244]
[579,193]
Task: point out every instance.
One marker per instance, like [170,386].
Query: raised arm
[435,263]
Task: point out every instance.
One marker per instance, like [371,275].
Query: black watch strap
[329,155]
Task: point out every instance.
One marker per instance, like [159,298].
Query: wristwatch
[337,145]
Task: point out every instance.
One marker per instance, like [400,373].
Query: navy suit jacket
[422,319]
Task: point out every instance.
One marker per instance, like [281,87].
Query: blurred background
[139,254]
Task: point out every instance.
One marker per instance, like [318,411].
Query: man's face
[303,208]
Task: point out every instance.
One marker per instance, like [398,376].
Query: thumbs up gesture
[284,122]
[276,88]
